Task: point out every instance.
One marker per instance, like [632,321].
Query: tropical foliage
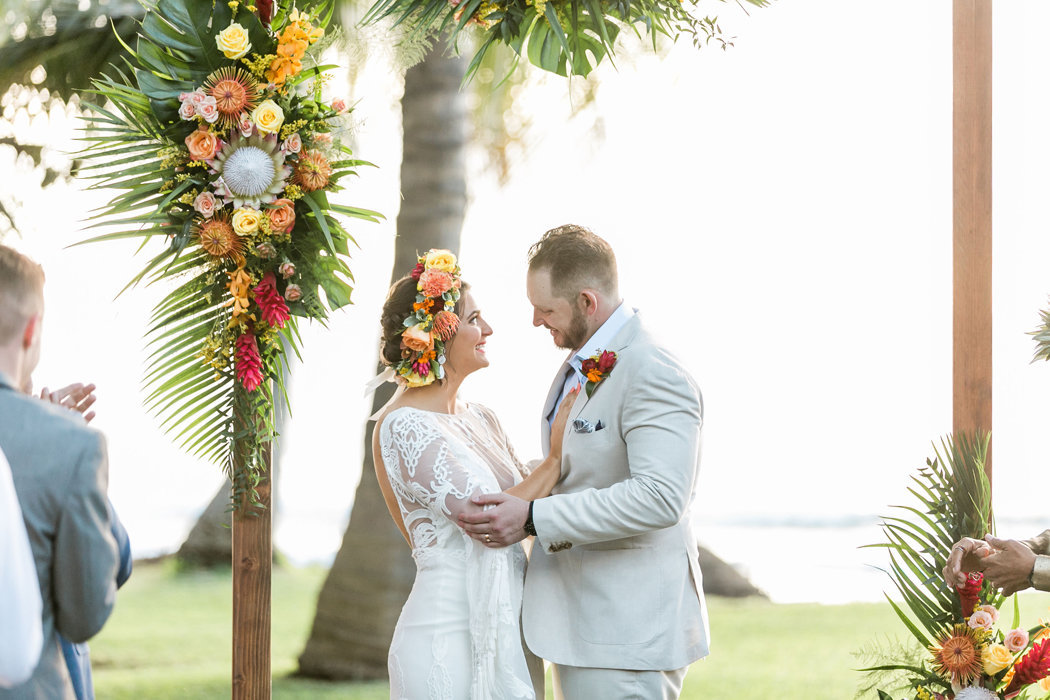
[567,37]
[962,653]
[216,134]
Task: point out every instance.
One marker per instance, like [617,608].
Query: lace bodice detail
[435,462]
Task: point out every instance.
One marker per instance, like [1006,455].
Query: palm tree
[373,572]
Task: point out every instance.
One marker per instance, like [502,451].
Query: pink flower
[991,610]
[293,292]
[205,204]
[286,269]
[248,362]
[198,96]
[323,138]
[187,111]
[246,126]
[274,310]
[293,144]
[339,105]
[1016,640]
[208,109]
[434,283]
[980,620]
[265,251]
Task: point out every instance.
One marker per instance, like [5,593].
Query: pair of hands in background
[1006,564]
[77,397]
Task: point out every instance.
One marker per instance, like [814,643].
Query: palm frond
[953,498]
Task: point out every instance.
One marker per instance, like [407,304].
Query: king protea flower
[252,171]
[249,363]
[957,654]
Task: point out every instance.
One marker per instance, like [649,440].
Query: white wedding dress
[458,635]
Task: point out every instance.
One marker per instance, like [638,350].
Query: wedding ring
[488,538]
[959,547]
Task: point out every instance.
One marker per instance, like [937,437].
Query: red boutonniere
[596,368]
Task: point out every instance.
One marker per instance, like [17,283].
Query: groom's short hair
[21,292]
[577,258]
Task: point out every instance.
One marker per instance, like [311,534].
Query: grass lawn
[169,638]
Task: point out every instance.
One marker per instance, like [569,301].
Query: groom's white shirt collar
[602,337]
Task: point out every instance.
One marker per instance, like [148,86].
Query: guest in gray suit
[60,474]
[613,591]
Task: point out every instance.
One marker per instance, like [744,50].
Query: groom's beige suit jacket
[614,577]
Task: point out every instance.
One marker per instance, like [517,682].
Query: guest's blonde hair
[21,292]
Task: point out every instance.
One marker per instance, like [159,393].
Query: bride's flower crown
[433,321]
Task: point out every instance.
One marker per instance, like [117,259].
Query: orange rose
[202,144]
[282,215]
[415,338]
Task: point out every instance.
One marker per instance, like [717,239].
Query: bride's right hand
[561,420]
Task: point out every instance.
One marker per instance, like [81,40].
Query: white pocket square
[585,426]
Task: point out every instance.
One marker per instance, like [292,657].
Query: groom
[613,595]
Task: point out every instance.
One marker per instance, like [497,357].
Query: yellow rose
[414,381]
[443,260]
[268,117]
[233,41]
[995,658]
[1044,684]
[246,221]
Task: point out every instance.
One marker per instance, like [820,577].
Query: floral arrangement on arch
[964,650]
[224,149]
[567,37]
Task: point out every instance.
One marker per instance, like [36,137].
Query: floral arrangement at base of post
[963,650]
[220,141]
[567,37]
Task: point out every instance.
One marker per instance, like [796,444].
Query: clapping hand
[77,397]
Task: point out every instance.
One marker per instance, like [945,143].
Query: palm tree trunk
[373,571]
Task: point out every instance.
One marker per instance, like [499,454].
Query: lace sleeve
[423,468]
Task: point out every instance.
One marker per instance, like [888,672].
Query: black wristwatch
[530,527]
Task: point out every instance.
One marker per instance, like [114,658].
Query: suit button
[559,546]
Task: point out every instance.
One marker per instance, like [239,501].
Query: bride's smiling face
[465,353]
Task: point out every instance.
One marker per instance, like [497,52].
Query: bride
[458,634]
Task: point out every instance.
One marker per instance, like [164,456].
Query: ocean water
[790,558]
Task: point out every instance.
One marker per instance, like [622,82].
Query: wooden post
[972,217]
[252,559]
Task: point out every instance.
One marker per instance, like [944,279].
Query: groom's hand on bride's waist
[495,519]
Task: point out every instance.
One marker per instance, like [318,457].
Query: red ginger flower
[969,592]
[249,363]
[446,323]
[265,10]
[271,303]
[417,273]
[1033,666]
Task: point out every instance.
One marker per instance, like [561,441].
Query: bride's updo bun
[396,309]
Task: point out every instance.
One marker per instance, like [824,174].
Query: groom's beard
[576,334]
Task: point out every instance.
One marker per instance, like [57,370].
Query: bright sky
[782,216]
